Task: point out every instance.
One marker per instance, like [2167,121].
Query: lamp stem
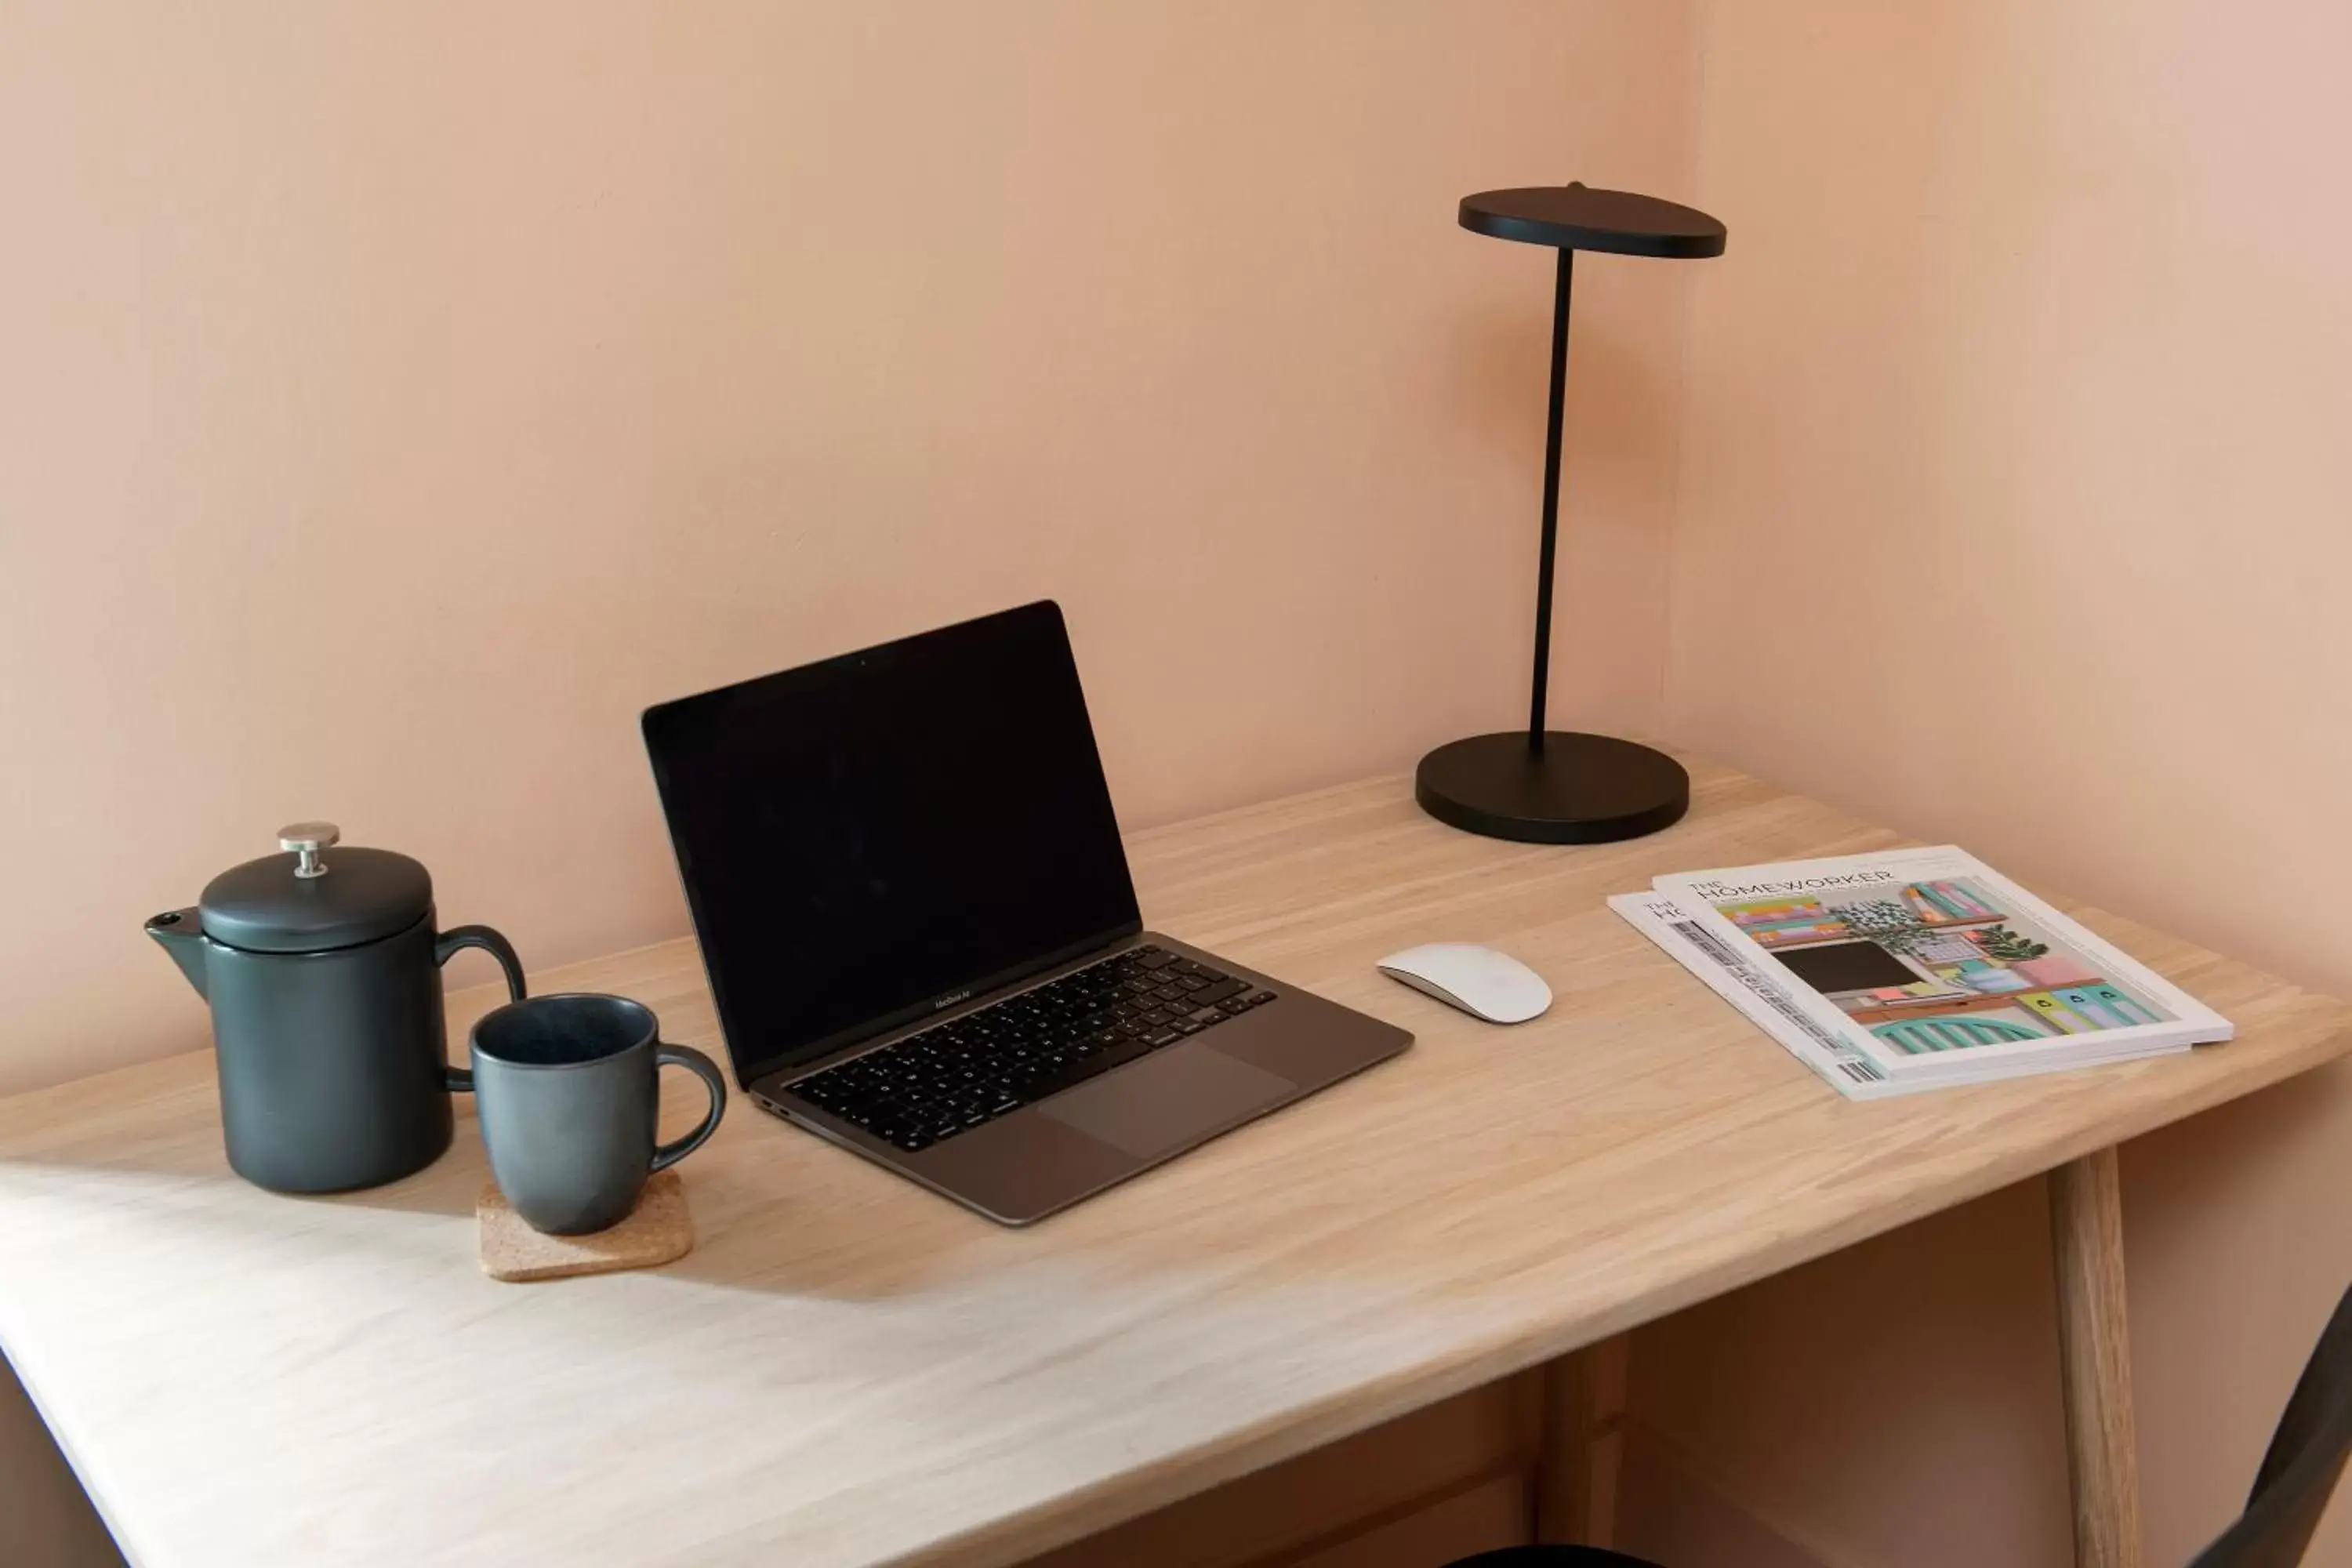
[1536,715]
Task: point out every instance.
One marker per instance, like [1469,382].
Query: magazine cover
[1934,966]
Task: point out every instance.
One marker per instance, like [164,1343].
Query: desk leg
[1583,1446]
[2094,1355]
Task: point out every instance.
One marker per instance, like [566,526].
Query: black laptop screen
[864,838]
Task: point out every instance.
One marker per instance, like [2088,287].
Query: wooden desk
[848,1371]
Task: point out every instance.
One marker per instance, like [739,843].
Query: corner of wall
[1697,64]
[1672,1509]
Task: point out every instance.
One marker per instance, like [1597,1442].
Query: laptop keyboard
[928,1087]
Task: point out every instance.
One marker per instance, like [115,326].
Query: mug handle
[703,1067]
[457,940]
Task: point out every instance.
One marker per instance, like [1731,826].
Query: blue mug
[567,1088]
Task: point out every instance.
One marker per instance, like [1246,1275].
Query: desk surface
[848,1371]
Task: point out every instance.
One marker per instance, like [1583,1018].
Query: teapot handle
[454,941]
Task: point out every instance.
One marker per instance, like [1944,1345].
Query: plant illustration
[1890,923]
[2010,947]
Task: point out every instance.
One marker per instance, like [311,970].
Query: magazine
[1914,969]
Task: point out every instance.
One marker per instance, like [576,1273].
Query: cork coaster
[660,1230]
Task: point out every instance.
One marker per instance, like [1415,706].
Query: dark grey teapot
[324,980]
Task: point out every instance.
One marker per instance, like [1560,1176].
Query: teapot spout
[178,932]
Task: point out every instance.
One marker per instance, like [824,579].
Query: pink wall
[2016,429]
[397,399]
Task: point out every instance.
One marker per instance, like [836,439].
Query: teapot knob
[306,839]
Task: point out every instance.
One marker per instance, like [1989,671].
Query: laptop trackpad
[1165,1101]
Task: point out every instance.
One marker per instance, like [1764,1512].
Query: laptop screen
[866,839]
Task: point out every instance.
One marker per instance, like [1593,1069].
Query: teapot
[323,977]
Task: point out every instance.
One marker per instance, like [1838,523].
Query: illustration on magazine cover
[1937,965]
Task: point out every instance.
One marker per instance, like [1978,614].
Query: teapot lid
[304,901]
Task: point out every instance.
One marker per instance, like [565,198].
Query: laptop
[922,939]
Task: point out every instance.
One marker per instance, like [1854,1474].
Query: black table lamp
[1554,786]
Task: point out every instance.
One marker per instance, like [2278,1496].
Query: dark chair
[2307,1455]
[1552,1557]
[2290,1490]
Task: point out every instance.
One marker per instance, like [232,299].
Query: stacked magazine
[1914,969]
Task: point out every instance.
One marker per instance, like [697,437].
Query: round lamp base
[1582,789]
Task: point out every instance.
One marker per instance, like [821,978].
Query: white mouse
[1478,980]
